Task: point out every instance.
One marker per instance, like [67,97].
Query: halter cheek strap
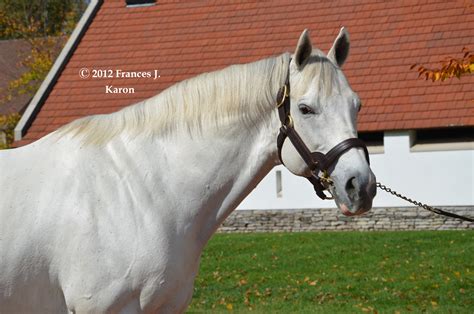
[317,162]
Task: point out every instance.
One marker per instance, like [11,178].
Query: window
[279,185]
[453,138]
[139,3]
[374,141]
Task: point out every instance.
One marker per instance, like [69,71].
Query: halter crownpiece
[317,162]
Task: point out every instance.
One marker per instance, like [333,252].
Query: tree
[45,25]
[7,125]
[51,17]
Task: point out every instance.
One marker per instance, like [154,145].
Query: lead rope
[424,206]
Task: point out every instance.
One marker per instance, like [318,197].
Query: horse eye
[305,109]
[360,107]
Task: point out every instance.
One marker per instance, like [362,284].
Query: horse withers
[110,213]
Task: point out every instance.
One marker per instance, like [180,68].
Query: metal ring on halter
[283,97]
[289,121]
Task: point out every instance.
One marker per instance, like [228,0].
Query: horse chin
[345,210]
[349,210]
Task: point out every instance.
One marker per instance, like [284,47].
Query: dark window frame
[372,138]
[138,3]
[444,135]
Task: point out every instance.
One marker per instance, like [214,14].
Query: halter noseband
[316,161]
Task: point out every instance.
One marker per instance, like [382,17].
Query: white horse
[111,212]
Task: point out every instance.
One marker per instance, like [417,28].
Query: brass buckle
[283,97]
[326,182]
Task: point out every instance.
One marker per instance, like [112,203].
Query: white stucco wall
[438,177]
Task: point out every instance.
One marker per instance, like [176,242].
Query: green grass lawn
[348,272]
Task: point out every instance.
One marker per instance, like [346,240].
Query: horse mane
[243,91]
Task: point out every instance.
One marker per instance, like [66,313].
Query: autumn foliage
[450,67]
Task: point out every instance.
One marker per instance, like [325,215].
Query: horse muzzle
[355,193]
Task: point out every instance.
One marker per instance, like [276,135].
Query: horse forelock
[245,91]
[322,72]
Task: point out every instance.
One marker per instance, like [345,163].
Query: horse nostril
[351,187]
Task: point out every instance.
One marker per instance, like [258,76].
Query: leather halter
[317,162]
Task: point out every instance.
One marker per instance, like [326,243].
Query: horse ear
[340,49]
[303,49]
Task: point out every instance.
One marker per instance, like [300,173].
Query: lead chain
[422,205]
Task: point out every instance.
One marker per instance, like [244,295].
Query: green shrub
[7,126]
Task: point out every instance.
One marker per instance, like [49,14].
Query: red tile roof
[181,39]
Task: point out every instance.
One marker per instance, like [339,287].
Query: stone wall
[403,218]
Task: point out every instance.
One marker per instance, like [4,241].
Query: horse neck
[204,173]
[226,165]
[200,178]
[213,173]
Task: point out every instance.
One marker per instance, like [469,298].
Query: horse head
[318,110]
